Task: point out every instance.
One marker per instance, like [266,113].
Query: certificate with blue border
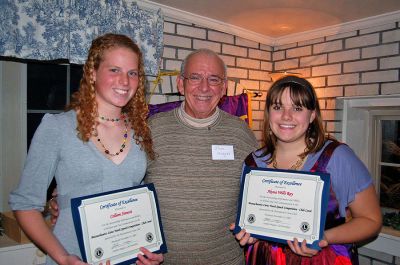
[114,225]
[279,205]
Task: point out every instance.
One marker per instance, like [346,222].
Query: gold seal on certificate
[280,205]
[114,225]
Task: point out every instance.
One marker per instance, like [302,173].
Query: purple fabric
[234,105]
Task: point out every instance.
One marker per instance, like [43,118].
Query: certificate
[279,205]
[114,225]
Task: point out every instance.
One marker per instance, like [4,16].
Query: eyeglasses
[212,80]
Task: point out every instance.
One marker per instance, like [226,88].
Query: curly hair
[84,100]
[302,94]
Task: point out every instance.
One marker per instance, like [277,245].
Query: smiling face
[202,99]
[289,122]
[116,79]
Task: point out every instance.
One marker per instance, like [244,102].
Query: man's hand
[243,237]
[53,207]
[149,258]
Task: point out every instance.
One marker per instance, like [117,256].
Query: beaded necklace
[123,145]
[295,166]
[112,119]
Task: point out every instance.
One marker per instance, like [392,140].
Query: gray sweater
[80,169]
[198,195]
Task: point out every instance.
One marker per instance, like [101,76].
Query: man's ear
[179,84]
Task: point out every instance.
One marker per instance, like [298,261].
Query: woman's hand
[302,249]
[149,258]
[243,237]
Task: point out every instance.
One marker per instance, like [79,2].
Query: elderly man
[200,150]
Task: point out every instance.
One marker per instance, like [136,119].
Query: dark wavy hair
[302,94]
[84,103]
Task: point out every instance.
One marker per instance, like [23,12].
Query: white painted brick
[247,43]
[237,72]
[390,88]
[257,125]
[330,69]
[157,99]
[258,115]
[265,47]
[250,84]
[317,81]
[328,115]
[248,63]
[191,31]
[172,65]
[231,88]
[341,35]
[322,103]
[331,126]
[170,40]
[234,50]
[391,36]
[259,75]
[280,55]
[169,53]
[344,56]
[264,86]
[330,92]
[314,60]
[361,90]
[304,72]
[285,46]
[343,79]
[359,66]
[220,37]
[380,51]
[169,27]
[267,66]
[214,46]
[328,46]
[259,54]
[309,42]
[390,62]
[228,60]
[286,64]
[361,41]
[378,28]
[182,53]
[330,104]
[298,52]
[380,76]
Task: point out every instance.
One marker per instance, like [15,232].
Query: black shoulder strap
[249,161]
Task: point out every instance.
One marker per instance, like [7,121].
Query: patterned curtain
[64,29]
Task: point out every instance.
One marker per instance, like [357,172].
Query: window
[49,88]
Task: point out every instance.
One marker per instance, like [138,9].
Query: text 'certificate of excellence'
[279,205]
[114,225]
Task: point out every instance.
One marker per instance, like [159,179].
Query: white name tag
[222,152]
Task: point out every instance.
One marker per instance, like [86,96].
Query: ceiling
[277,18]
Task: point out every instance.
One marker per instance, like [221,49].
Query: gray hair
[206,52]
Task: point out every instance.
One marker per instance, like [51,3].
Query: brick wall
[362,62]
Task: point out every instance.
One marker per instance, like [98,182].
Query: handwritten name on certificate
[114,225]
[279,205]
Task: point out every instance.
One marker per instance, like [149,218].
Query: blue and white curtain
[64,29]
